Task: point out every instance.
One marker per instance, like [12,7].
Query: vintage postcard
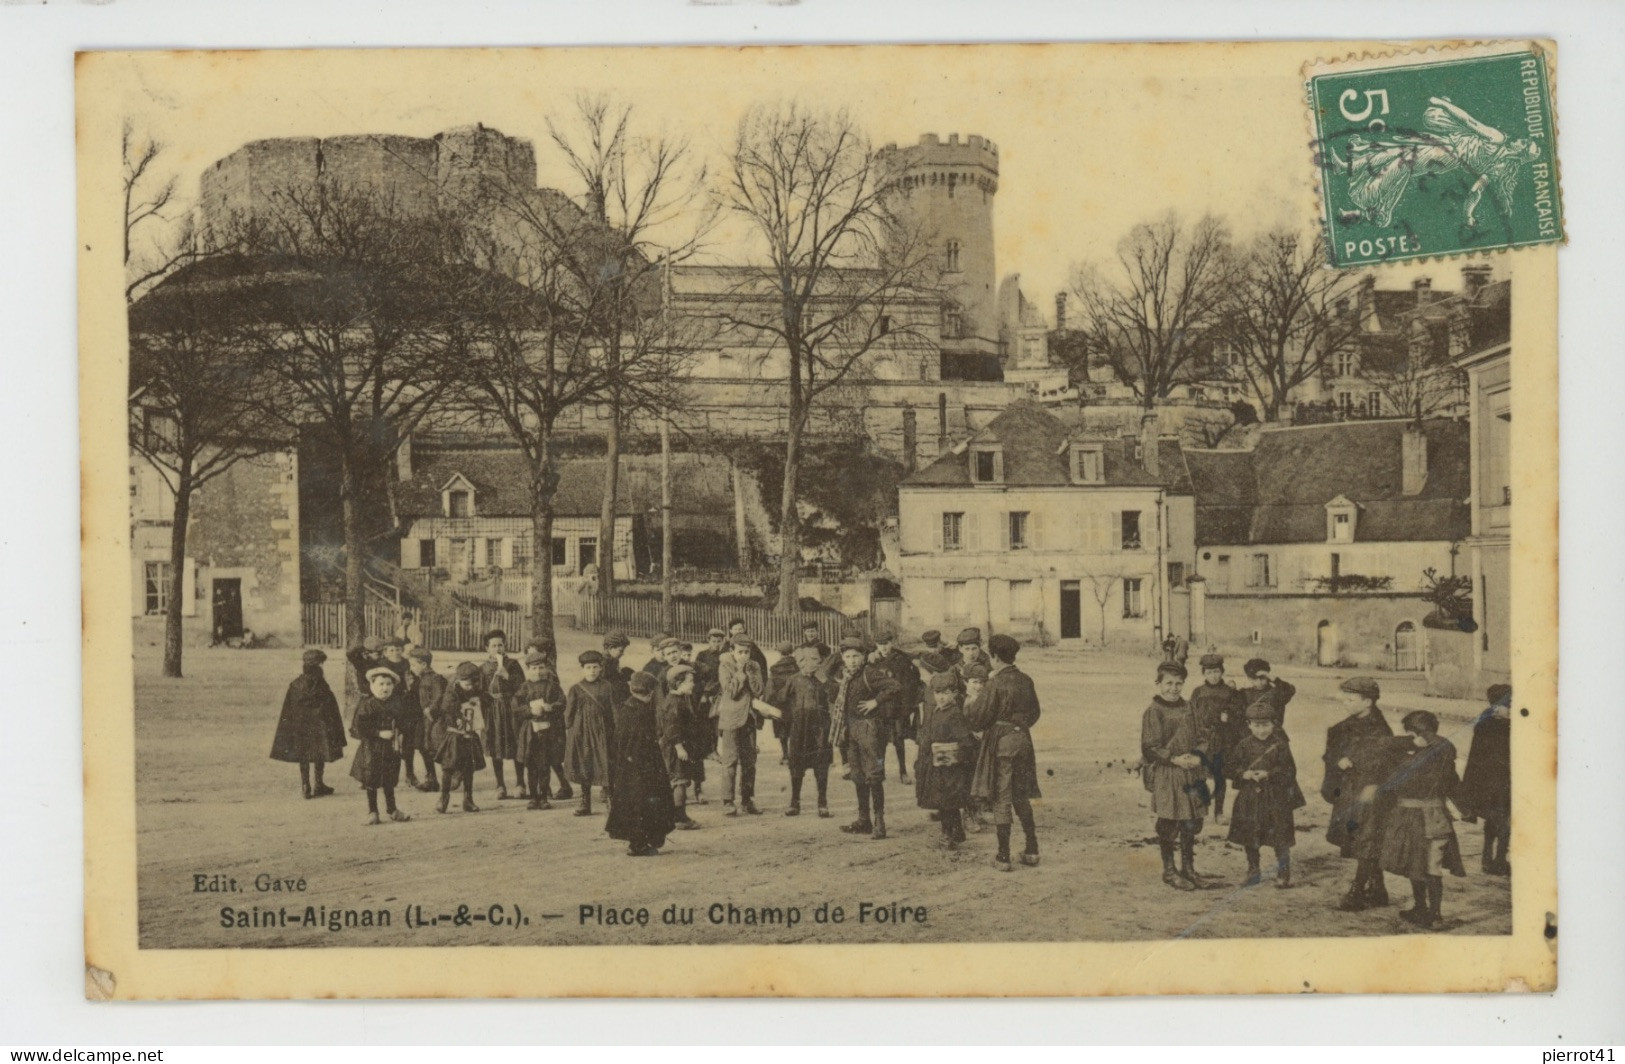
[814,521]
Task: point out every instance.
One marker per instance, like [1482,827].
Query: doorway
[1071,609]
[1407,648]
[1326,643]
[228,609]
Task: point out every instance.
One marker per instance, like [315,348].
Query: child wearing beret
[947,754]
[1221,716]
[806,729]
[1356,762]
[1266,778]
[540,702]
[425,688]
[377,727]
[458,734]
[677,721]
[1418,840]
[589,724]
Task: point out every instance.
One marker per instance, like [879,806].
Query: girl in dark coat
[589,722]
[947,753]
[377,725]
[806,729]
[503,676]
[1354,761]
[1266,779]
[641,813]
[457,733]
[310,731]
[1419,842]
[1486,786]
[540,739]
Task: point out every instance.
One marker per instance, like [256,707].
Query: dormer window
[457,497]
[1088,464]
[987,465]
[1342,516]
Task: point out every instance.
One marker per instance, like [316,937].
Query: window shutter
[478,557]
[973,540]
[1004,530]
[998,467]
[1035,526]
[442,552]
[936,532]
[506,557]
[1115,518]
[409,554]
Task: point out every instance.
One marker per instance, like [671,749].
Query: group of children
[643,738]
[1389,795]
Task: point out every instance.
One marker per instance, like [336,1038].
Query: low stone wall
[1287,628]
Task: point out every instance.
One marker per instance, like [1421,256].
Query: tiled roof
[1032,438]
[701,483]
[1277,492]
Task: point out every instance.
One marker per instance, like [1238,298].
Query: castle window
[953,323]
[953,254]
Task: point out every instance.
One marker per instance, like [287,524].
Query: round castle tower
[947,189]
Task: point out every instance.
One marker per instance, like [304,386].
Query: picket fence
[643,616]
[461,628]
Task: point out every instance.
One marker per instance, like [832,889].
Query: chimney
[1148,444]
[1413,459]
[1474,277]
[1423,287]
[1060,311]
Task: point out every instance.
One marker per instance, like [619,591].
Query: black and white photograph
[897,497]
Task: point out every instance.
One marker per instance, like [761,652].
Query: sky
[1091,141]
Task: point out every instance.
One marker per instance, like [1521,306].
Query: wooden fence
[641,616]
[441,629]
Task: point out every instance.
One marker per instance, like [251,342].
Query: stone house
[1038,528]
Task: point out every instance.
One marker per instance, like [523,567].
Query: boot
[1283,872]
[1354,900]
[1419,913]
[469,806]
[794,810]
[749,806]
[398,816]
[823,811]
[318,789]
[584,807]
[880,826]
[1169,875]
[372,818]
[443,804]
[304,785]
[1376,893]
[538,803]
[859,826]
[1255,875]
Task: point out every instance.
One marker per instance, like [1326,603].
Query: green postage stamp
[1436,153]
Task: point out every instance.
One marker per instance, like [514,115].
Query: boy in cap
[947,753]
[810,637]
[1418,840]
[1266,688]
[1172,756]
[589,723]
[676,723]
[779,675]
[1266,779]
[641,813]
[806,729]
[904,706]
[740,681]
[376,725]
[423,694]
[1486,786]
[361,659]
[540,700]
[1220,715]
[457,732]
[859,721]
[1006,773]
[1355,762]
[618,675]
[707,667]
[310,732]
[969,644]
[503,677]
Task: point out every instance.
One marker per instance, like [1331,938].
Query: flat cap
[743,641]
[590,657]
[677,674]
[1499,694]
[1003,647]
[970,636]
[977,672]
[313,657]
[715,632]
[381,670]
[944,681]
[931,638]
[644,684]
[852,642]
[1261,710]
[423,654]
[468,671]
[1212,661]
[1171,668]
[1364,686]
[1255,666]
[535,657]
[616,638]
[885,633]
[372,644]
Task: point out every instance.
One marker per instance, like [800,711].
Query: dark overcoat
[377,760]
[1262,813]
[1350,738]
[1004,712]
[1220,715]
[536,744]
[806,723]
[945,786]
[454,733]
[310,728]
[502,683]
[424,696]
[642,809]
[1421,780]
[1167,730]
[905,706]
[1486,786]
[589,724]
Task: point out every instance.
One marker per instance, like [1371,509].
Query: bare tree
[149,201]
[1148,315]
[1100,585]
[1415,375]
[1286,314]
[353,309]
[634,190]
[840,275]
[197,408]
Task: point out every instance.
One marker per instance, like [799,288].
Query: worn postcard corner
[876,539]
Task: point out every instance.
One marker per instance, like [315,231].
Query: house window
[1345,403]
[426,553]
[955,600]
[1258,572]
[986,467]
[1087,465]
[1498,450]
[1131,530]
[885,325]
[953,323]
[953,254]
[953,531]
[1342,528]
[561,552]
[521,552]
[1373,404]
[493,553]
[1023,603]
[157,581]
[1343,364]
[1176,574]
[587,552]
[1018,530]
[1133,600]
[457,504]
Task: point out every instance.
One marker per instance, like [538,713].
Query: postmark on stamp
[1436,153]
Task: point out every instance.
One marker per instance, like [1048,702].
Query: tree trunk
[355,621]
[606,512]
[790,523]
[541,585]
[175,612]
[668,608]
[741,527]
